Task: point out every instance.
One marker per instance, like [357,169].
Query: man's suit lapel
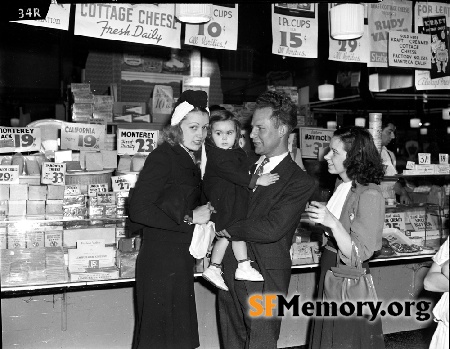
[284,170]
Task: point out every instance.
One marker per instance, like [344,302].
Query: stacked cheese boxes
[89,107]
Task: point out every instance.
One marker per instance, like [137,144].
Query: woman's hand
[318,213]
[202,214]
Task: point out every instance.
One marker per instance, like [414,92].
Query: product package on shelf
[92,260]
[44,265]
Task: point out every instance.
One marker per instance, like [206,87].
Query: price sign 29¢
[9,174]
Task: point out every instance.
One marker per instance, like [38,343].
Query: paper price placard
[424,158]
[73,189]
[123,182]
[408,50]
[384,17]
[395,220]
[136,141]
[19,139]
[93,189]
[294,30]
[220,33]
[78,136]
[53,173]
[418,222]
[312,139]
[9,174]
[443,159]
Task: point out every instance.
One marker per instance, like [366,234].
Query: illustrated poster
[424,11]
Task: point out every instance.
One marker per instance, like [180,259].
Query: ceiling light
[446,114]
[193,13]
[347,21]
[360,122]
[423,131]
[414,123]
[326,92]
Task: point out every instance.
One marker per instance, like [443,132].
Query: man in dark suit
[273,215]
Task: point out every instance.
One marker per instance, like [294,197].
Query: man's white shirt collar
[273,162]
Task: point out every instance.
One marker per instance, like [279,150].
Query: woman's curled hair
[363,162]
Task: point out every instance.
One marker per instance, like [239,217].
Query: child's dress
[440,338]
[227,183]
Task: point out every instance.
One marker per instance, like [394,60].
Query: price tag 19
[123,182]
[424,158]
[93,189]
[19,139]
[443,159]
[9,174]
[79,136]
[53,173]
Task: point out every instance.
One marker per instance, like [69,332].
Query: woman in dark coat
[166,202]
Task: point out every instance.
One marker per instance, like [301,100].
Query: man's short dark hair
[284,110]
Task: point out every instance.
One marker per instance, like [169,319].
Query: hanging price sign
[123,182]
[19,139]
[9,174]
[53,173]
[136,141]
[78,136]
[220,33]
[294,30]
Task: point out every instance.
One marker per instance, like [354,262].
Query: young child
[226,184]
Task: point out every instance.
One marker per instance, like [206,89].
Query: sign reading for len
[9,174]
[136,141]
[77,136]
[19,139]
[53,173]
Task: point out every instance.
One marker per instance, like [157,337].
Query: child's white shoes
[213,274]
[246,272]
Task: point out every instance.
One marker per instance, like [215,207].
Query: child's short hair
[225,115]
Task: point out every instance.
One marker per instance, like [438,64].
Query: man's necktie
[259,171]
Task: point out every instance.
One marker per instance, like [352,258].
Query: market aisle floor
[419,339]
